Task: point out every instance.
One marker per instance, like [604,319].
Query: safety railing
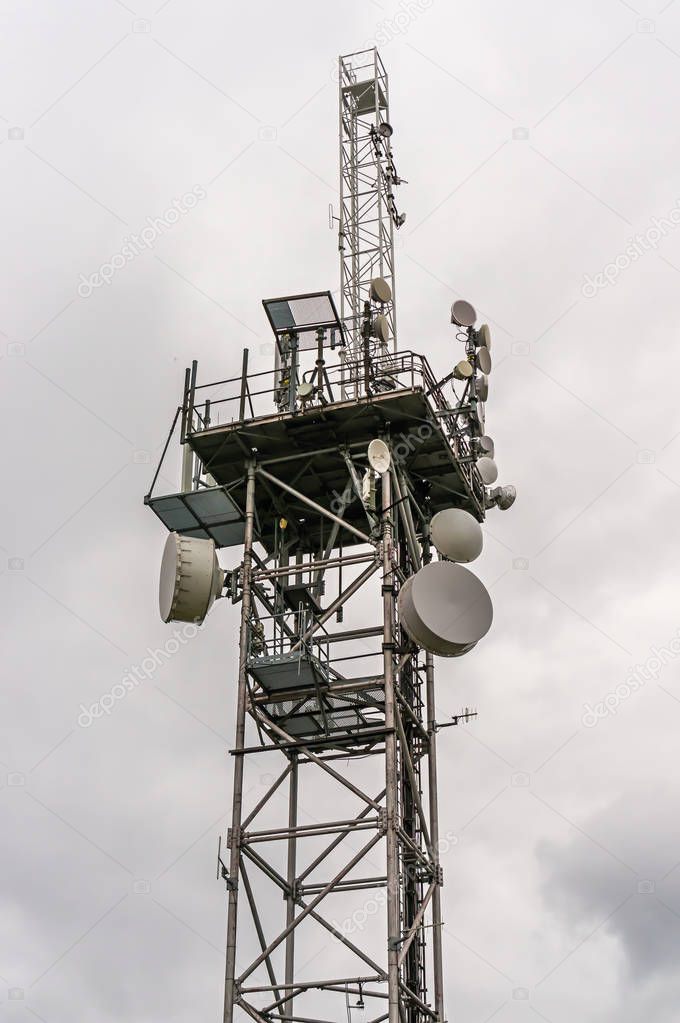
[254,395]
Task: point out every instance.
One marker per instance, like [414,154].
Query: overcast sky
[541,148]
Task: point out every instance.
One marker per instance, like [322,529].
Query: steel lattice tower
[342,843]
[368,176]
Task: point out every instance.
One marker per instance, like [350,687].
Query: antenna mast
[368,176]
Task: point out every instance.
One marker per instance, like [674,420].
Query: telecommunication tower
[355,482]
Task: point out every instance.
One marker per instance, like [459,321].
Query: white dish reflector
[457,535]
[488,470]
[484,360]
[445,608]
[379,457]
[380,290]
[191,579]
[463,314]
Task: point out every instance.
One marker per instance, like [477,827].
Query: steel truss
[367,180]
[321,723]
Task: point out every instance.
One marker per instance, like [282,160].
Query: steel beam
[391,767]
[237,799]
[437,966]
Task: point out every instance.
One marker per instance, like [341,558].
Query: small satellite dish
[191,579]
[484,336]
[488,470]
[463,314]
[482,387]
[445,608]
[484,360]
[462,370]
[305,391]
[486,446]
[457,535]
[386,130]
[501,497]
[381,329]
[379,457]
[380,290]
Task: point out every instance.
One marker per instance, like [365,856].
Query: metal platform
[298,695]
[419,440]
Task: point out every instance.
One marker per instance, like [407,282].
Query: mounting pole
[393,908]
[292,865]
[237,803]
[437,968]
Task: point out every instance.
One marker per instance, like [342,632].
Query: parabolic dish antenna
[484,336]
[379,457]
[305,391]
[482,387]
[502,497]
[380,329]
[462,313]
[484,360]
[445,608]
[486,445]
[488,470]
[457,535]
[380,290]
[462,370]
[191,579]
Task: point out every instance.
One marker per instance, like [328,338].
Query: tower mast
[368,177]
[337,472]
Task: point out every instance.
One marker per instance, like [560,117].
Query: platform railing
[254,395]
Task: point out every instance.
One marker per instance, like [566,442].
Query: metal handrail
[402,370]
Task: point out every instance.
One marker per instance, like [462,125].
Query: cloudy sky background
[537,140]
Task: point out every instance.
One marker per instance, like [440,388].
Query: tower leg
[292,866]
[229,986]
[393,923]
[434,836]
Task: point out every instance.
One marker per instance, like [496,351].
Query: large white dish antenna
[379,457]
[484,336]
[191,579]
[445,608]
[380,290]
[486,446]
[482,387]
[457,535]
[463,314]
[488,470]
[484,360]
